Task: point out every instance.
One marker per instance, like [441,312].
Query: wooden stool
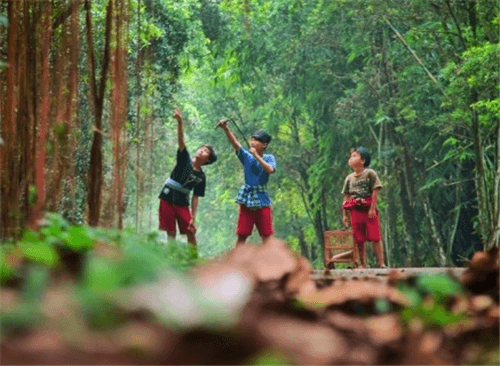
[340,247]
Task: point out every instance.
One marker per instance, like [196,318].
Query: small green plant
[428,300]
[28,263]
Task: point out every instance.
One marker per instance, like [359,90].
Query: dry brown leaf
[353,290]
[430,342]
[485,260]
[242,255]
[273,260]
[425,348]
[494,313]
[362,355]
[10,299]
[308,343]
[300,280]
[345,322]
[40,340]
[480,302]
[460,304]
[384,329]
[147,338]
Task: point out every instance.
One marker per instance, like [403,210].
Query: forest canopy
[88,89]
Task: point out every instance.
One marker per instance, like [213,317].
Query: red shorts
[261,217]
[365,228]
[170,214]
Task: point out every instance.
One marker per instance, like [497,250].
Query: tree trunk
[9,193]
[495,236]
[63,106]
[139,193]
[393,240]
[485,227]
[304,250]
[42,117]
[95,174]
[437,242]
[119,97]
[410,235]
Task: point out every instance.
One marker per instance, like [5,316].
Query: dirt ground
[265,305]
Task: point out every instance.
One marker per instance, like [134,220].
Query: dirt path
[351,273]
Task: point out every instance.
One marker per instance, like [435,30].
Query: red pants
[365,228]
[261,217]
[170,214]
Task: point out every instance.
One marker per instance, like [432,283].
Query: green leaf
[270,357]
[78,239]
[439,285]
[39,253]
[411,293]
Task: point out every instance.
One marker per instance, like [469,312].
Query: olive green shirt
[363,185]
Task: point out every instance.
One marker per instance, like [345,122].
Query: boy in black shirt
[187,176]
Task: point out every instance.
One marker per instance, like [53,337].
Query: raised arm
[230,136]
[268,168]
[180,129]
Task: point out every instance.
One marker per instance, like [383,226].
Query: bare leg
[362,254]
[265,239]
[192,244]
[378,248]
[241,240]
[191,239]
[343,255]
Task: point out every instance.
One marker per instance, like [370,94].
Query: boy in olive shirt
[359,207]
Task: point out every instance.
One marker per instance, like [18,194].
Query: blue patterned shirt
[254,193]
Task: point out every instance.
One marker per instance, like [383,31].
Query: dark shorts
[365,228]
[170,214]
[261,217]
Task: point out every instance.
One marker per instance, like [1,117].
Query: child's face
[356,161]
[257,144]
[203,153]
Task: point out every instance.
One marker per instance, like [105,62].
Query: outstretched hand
[178,115]
[192,226]
[222,124]
[372,212]
[345,221]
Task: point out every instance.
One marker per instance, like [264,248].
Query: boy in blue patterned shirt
[254,201]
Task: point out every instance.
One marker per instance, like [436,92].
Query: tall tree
[95,178]
[119,96]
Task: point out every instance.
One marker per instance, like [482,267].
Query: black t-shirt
[190,179]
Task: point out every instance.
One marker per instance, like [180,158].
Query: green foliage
[143,261]
[429,300]
[28,312]
[270,357]
[321,77]
[137,259]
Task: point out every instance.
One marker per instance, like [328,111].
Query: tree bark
[42,117]
[8,188]
[119,111]
[95,174]
[495,236]
[139,193]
